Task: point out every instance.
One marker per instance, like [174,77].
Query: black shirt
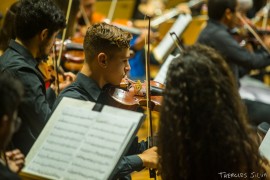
[84,88]
[6,174]
[35,108]
[216,35]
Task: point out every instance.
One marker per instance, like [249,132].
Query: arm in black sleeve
[132,162]
[137,147]
[127,165]
[233,52]
[50,96]
[35,108]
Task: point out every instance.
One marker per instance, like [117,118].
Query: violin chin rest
[156,91]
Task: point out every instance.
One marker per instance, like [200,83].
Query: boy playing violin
[106,49]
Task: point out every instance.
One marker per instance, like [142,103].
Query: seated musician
[11,91]
[223,15]
[36,25]
[204,132]
[107,53]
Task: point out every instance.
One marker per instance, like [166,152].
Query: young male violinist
[37,23]
[107,54]
[223,16]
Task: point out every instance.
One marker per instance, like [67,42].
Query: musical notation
[265,146]
[79,143]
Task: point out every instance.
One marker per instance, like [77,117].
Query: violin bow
[152,172]
[57,62]
[251,30]
[111,11]
[64,33]
[57,91]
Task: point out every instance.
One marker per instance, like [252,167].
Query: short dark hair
[11,91]
[103,37]
[204,128]
[216,8]
[35,15]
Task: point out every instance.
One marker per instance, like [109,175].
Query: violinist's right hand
[69,76]
[15,160]
[150,158]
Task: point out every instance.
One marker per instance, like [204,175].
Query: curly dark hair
[103,37]
[35,15]
[204,128]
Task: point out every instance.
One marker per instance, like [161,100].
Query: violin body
[73,54]
[73,60]
[48,72]
[132,97]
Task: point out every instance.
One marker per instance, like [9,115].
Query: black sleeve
[34,108]
[233,52]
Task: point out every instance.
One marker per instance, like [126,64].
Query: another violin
[49,73]
[73,54]
[131,95]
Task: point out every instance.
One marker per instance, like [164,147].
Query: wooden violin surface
[134,96]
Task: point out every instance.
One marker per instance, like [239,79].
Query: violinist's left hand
[15,160]
[69,78]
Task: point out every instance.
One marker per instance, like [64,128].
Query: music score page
[78,143]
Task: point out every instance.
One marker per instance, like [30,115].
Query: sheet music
[166,46]
[172,13]
[254,90]
[81,143]
[162,73]
[265,146]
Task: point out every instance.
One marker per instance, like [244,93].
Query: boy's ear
[44,34]
[102,60]
[228,14]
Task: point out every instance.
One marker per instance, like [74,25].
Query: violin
[73,54]
[252,30]
[131,95]
[49,73]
